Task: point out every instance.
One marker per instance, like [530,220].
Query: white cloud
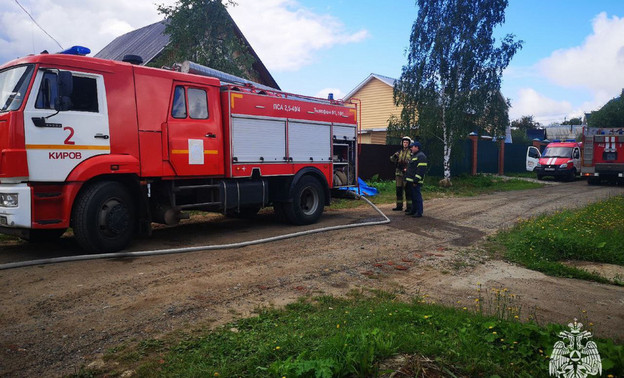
[283,33]
[543,109]
[323,93]
[286,35]
[90,23]
[597,65]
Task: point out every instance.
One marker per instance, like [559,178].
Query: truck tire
[593,181]
[307,203]
[104,217]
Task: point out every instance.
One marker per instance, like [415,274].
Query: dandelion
[426,316]
[216,374]
[277,347]
[465,308]
[494,333]
[337,325]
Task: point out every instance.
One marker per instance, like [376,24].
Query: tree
[573,121]
[610,115]
[397,129]
[525,123]
[203,32]
[453,74]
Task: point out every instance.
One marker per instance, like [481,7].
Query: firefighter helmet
[408,139]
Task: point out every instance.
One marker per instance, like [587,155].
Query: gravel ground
[55,319]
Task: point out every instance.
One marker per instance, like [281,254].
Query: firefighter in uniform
[401,158]
[414,175]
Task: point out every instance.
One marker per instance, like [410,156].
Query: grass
[358,337]
[463,186]
[372,333]
[594,233]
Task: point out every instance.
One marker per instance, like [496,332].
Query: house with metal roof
[149,42]
[377,103]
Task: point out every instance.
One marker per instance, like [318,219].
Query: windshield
[563,152]
[13,85]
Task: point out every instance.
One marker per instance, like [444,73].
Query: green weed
[594,233]
[330,337]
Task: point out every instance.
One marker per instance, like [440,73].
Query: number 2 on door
[71,134]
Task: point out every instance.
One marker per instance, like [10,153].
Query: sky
[572,60]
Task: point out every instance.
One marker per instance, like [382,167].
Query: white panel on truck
[309,141]
[258,140]
[342,133]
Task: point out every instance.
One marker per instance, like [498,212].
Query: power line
[42,29]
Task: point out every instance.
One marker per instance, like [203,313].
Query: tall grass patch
[330,337]
[594,233]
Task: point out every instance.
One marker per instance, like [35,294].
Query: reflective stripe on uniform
[422,164]
[409,179]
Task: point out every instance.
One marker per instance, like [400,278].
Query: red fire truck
[603,154]
[109,147]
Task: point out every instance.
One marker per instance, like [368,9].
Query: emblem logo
[576,356]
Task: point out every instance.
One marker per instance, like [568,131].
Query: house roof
[384,79]
[149,41]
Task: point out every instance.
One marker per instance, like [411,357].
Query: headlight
[9,199]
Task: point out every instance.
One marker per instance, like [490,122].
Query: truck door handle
[101,136]
[211,135]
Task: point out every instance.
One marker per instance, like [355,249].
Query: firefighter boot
[399,199]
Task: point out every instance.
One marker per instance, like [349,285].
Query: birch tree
[453,74]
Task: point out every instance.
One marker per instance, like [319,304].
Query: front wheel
[104,217]
[307,203]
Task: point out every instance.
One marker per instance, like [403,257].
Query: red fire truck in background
[603,154]
[109,147]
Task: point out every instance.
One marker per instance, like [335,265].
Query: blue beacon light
[76,50]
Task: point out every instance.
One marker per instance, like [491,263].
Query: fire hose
[114,255]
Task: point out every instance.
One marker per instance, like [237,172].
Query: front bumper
[21,215]
[550,170]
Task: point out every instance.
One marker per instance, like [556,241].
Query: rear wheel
[307,203]
[104,217]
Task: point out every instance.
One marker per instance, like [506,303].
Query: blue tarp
[364,189]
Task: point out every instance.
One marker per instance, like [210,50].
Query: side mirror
[65,84]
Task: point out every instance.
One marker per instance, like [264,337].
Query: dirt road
[56,318]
